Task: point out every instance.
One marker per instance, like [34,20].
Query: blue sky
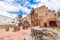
[12,8]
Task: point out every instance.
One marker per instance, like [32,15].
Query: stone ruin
[42,34]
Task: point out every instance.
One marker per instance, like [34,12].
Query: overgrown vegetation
[52,28]
[58,13]
[58,30]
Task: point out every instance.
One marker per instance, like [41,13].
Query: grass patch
[4,26]
[53,28]
[58,30]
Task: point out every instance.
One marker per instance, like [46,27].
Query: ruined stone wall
[42,34]
[28,19]
[58,24]
[43,14]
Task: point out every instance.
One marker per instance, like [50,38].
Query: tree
[20,19]
[58,13]
[20,16]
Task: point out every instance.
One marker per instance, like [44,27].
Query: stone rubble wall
[43,34]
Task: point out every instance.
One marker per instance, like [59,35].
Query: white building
[4,20]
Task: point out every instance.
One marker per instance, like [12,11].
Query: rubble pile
[43,34]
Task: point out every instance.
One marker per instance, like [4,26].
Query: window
[12,22]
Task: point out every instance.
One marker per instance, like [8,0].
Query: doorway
[53,24]
[37,23]
[45,24]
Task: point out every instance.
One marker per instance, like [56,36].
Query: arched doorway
[37,23]
[26,24]
[52,23]
[33,23]
[45,24]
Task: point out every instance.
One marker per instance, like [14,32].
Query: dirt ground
[10,35]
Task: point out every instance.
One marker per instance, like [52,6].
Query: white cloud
[41,0]
[36,6]
[9,1]
[52,4]
[7,5]
[8,14]
[24,9]
[23,16]
[4,7]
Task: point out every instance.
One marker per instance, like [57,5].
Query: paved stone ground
[10,35]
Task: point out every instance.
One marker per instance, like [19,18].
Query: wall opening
[53,24]
[45,24]
[37,23]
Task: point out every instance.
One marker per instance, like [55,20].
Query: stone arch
[37,22]
[45,24]
[52,23]
[26,24]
